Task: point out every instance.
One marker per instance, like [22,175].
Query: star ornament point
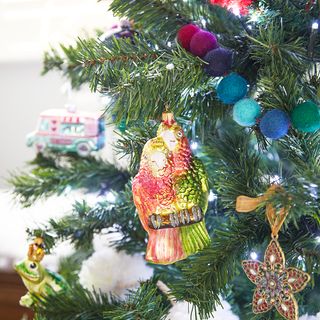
[275,283]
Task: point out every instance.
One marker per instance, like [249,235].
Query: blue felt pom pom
[275,124]
[246,112]
[232,88]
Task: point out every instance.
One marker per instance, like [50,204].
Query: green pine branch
[166,17]
[77,303]
[84,222]
[54,174]
[206,276]
[132,141]
[275,55]
[65,60]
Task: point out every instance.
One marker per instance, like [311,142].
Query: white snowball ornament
[113,272]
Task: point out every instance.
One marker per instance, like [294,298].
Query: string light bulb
[212,196]
[194,145]
[315,25]
[254,255]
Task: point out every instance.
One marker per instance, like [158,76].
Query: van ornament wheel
[40,146]
[83,149]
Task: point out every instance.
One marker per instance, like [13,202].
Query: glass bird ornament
[170,192]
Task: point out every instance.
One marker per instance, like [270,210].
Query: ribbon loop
[275,217]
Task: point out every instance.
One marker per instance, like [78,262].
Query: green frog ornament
[39,281]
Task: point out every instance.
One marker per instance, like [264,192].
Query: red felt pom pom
[185,34]
[235,6]
[202,42]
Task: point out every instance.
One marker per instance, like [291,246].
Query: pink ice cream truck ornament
[66,131]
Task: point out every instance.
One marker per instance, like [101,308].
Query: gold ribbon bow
[275,218]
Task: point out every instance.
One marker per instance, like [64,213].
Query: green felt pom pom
[305,117]
[246,112]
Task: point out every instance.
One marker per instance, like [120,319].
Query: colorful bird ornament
[170,192]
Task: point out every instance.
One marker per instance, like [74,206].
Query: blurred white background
[27,29]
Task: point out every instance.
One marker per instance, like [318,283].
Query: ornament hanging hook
[167,116]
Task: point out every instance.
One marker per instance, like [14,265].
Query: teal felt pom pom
[246,112]
[305,117]
[232,88]
[122,126]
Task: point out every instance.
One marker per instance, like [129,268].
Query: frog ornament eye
[33,265]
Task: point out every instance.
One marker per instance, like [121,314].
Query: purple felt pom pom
[220,62]
[202,42]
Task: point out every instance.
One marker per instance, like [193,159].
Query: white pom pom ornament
[183,311]
[113,272]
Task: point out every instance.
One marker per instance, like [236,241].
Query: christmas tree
[242,80]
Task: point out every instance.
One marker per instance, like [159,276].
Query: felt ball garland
[274,124]
[246,112]
[204,44]
[233,88]
[185,34]
[219,62]
[306,117]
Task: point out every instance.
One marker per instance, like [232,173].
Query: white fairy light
[170,66]
[315,25]
[255,16]
[300,258]
[194,145]
[212,196]
[67,189]
[275,179]
[318,239]
[254,255]
[270,156]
